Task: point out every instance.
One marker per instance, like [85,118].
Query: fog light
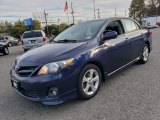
[52,92]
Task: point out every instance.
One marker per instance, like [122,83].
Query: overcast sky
[21,9]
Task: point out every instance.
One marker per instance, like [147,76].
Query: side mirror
[110,35]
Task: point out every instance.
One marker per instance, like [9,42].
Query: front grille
[28,93]
[25,71]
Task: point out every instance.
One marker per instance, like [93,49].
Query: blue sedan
[77,61]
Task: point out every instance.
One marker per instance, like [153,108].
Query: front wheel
[145,54]
[89,82]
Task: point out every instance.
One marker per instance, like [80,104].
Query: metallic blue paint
[111,55]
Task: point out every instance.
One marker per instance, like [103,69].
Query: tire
[9,44]
[5,51]
[144,55]
[89,86]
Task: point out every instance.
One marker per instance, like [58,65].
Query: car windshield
[80,32]
[32,34]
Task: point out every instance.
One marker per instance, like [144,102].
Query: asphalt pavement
[132,94]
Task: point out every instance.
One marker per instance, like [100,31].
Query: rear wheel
[5,51]
[89,82]
[145,54]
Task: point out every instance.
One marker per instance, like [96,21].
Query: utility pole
[45,17]
[59,25]
[125,13]
[94,9]
[115,12]
[98,10]
[72,12]
[157,13]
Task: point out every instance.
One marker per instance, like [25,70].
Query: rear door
[38,36]
[134,36]
[33,37]
[28,38]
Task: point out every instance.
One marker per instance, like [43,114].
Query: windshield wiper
[65,41]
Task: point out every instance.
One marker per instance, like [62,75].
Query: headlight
[55,66]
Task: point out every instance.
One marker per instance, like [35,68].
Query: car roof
[108,19]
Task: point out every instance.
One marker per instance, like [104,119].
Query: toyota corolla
[76,62]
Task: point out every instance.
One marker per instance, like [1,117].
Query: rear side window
[130,25]
[32,34]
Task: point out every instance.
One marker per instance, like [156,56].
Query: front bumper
[36,88]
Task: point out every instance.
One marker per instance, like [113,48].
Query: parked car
[12,41]
[78,60]
[33,38]
[4,40]
[4,48]
[9,41]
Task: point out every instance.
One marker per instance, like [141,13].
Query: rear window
[130,25]
[32,34]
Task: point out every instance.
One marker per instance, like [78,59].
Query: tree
[18,29]
[137,9]
[151,7]
[8,27]
[158,2]
[63,26]
[53,29]
[36,25]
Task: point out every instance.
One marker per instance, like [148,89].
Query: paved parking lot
[133,94]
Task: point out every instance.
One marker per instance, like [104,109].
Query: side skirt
[133,61]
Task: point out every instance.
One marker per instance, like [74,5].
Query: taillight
[44,39]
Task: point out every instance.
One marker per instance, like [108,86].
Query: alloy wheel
[145,53]
[90,83]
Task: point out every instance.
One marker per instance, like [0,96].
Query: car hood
[52,52]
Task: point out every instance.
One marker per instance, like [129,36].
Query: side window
[115,26]
[130,25]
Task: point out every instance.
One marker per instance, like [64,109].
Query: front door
[117,51]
